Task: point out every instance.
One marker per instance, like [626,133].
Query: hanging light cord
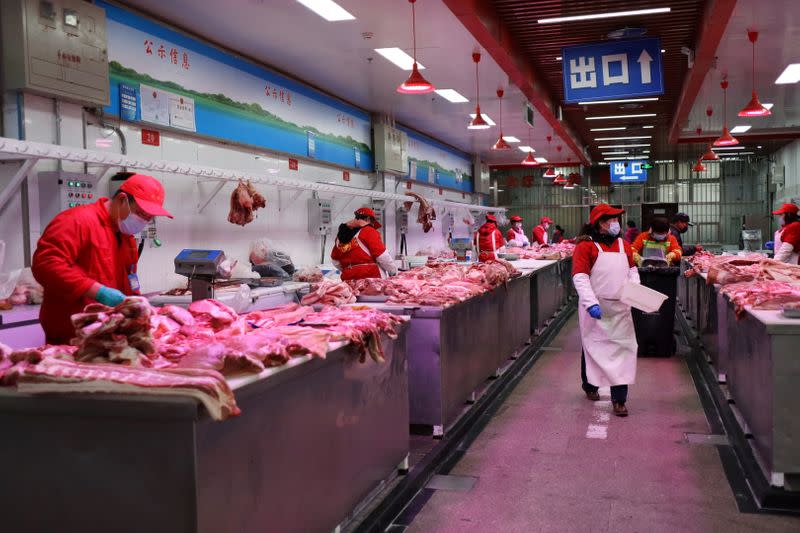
[754,66]
[414,29]
[477,83]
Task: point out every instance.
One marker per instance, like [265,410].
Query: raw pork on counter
[329,293]
[762,295]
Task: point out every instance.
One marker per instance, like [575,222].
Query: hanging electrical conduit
[33,151]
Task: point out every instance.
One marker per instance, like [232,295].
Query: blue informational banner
[128,102]
[434,163]
[194,86]
[611,70]
[628,171]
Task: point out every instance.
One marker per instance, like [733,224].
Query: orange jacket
[79,247]
[672,242]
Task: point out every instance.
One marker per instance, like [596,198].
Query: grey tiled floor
[538,472]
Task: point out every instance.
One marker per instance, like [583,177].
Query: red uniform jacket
[80,246]
[791,234]
[488,240]
[586,253]
[357,257]
[540,234]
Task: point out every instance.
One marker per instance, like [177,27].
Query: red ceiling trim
[483,22]
[513,166]
[746,139]
[711,29]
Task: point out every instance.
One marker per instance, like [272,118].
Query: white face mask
[782,220]
[659,237]
[133,224]
[613,228]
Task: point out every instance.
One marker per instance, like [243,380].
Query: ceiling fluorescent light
[645,151]
[717,148]
[768,106]
[399,58]
[610,117]
[743,153]
[559,58]
[624,146]
[664,161]
[541,160]
[525,149]
[593,16]
[790,75]
[629,158]
[485,117]
[510,139]
[622,152]
[451,95]
[740,129]
[327,9]
[629,138]
[648,127]
[608,129]
[625,101]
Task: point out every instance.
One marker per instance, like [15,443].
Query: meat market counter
[315,438]
[763,370]
[550,289]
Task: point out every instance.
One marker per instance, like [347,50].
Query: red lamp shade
[699,167]
[501,144]
[415,84]
[710,155]
[726,139]
[478,123]
[549,173]
[754,108]
[560,179]
[529,161]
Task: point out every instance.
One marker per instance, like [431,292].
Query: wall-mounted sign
[614,69]
[151,137]
[628,172]
[294,164]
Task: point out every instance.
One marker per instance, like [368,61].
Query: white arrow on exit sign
[644,62]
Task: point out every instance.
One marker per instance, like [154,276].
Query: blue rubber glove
[594,312]
[769,245]
[110,297]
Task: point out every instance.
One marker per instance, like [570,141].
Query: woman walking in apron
[600,268]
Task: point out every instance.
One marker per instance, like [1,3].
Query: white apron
[609,343]
[793,259]
[520,239]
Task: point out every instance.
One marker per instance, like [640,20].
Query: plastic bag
[264,251]
[309,274]
[270,270]
[8,280]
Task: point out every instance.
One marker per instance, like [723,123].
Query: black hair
[361,216]
[121,177]
[631,224]
[559,228]
[791,217]
[659,225]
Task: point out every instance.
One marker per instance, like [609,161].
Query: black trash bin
[654,331]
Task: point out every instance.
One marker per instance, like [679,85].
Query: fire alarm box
[55,48]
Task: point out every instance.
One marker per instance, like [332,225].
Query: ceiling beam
[483,22]
[711,29]
[748,138]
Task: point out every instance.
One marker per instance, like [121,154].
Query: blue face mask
[133,224]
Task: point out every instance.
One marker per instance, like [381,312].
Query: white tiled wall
[284,220]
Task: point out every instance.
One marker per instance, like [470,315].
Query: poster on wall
[227,97]
[434,163]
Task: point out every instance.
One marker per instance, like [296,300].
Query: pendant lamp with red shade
[699,166]
[550,172]
[754,108]
[710,154]
[416,83]
[726,139]
[529,160]
[501,143]
[477,123]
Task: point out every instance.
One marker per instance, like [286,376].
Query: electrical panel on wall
[378,207]
[320,216]
[391,149]
[482,179]
[59,191]
[402,221]
[56,48]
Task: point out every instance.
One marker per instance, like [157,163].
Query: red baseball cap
[366,211]
[148,193]
[546,220]
[516,218]
[603,210]
[491,218]
[787,208]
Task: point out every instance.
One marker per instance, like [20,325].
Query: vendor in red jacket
[88,253]
[540,232]
[359,252]
[489,240]
[516,235]
[787,238]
